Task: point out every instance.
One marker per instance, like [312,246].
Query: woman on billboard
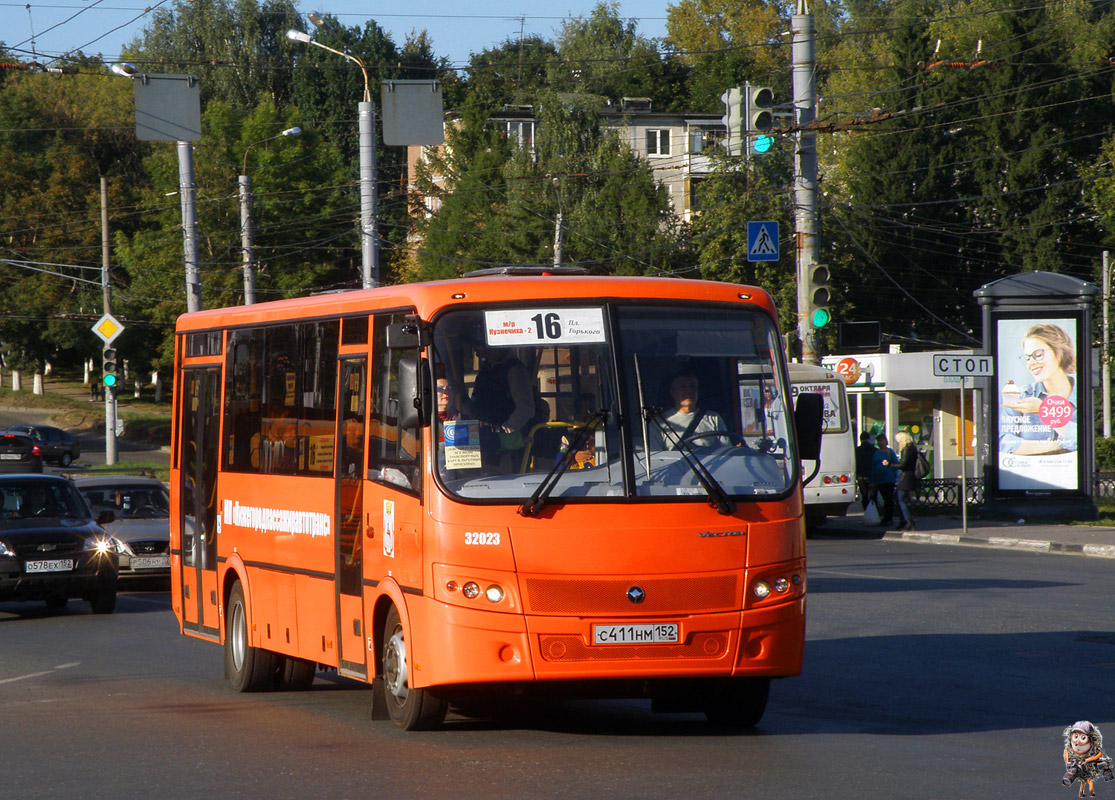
[1040,418]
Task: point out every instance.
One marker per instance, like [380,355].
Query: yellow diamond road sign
[108,328]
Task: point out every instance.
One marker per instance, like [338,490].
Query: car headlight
[106,544]
[5,551]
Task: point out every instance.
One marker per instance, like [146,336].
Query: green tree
[603,55]
[504,201]
[237,48]
[512,73]
[298,189]
[328,88]
[727,42]
[58,135]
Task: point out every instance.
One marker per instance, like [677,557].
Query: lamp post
[245,192]
[369,213]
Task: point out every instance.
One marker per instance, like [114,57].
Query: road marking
[38,674]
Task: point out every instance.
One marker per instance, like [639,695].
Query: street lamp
[246,244]
[366,115]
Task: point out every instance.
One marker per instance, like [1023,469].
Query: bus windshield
[610,400]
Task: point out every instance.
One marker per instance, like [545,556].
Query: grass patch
[146,468]
[144,419]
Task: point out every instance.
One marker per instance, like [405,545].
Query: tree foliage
[504,202]
[957,142]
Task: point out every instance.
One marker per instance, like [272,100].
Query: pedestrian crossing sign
[762,240]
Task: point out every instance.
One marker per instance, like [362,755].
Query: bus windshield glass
[607,400]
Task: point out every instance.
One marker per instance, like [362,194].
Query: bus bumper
[454,645]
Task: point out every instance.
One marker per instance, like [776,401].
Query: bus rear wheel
[737,702]
[248,669]
[411,709]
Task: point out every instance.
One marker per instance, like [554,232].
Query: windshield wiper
[716,494]
[580,435]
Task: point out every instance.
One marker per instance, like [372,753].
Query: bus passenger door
[393,496]
[199,453]
[349,516]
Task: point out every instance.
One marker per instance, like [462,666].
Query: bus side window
[393,451]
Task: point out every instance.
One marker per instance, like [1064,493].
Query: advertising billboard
[1036,401]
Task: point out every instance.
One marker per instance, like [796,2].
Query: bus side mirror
[809,421]
[414,393]
[409,335]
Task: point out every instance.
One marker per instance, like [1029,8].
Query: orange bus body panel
[562,570]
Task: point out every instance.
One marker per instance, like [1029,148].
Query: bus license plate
[150,562]
[58,565]
[656,633]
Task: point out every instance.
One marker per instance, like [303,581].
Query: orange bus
[494,483]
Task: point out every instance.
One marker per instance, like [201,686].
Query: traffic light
[819,296]
[760,117]
[733,120]
[108,366]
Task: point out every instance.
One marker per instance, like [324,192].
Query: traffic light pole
[805,177]
[106,295]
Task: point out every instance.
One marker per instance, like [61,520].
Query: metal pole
[106,299]
[805,174]
[369,212]
[557,240]
[1106,361]
[963,438]
[246,246]
[187,192]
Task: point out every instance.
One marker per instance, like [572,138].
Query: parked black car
[55,445]
[51,547]
[19,453]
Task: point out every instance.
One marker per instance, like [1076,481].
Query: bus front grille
[573,648]
[596,596]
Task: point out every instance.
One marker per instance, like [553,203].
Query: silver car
[141,507]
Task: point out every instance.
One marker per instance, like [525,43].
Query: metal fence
[945,492]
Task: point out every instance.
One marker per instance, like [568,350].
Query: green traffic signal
[108,366]
[821,317]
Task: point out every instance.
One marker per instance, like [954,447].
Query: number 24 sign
[534,326]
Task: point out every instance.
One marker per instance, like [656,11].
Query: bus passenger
[685,420]
[503,401]
[446,402]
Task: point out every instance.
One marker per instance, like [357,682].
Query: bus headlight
[494,593]
[471,590]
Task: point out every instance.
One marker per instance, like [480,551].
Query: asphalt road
[931,672]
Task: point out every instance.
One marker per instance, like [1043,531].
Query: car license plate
[9,456]
[656,633]
[56,565]
[150,562]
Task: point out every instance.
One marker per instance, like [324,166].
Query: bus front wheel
[737,702]
[248,669]
[411,709]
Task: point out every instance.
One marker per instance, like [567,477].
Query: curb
[1004,542]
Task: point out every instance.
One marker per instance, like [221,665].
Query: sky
[50,29]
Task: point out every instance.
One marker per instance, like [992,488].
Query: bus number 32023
[482,537]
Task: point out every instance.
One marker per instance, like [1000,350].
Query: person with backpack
[907,482]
